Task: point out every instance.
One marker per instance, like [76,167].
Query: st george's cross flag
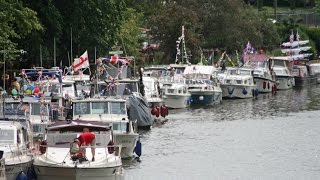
[82,62]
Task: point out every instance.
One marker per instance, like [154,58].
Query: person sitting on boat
[76,151]
[88,138]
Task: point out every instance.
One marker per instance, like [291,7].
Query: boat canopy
[78,125]
[256,57]
[199,69]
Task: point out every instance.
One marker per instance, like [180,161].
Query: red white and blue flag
[82,62]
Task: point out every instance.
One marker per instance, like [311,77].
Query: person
[88,138]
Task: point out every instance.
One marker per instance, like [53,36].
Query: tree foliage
[16,22]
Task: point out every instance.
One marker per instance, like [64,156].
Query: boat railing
[2,169]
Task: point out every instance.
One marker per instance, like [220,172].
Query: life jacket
[155,111]
[164,111]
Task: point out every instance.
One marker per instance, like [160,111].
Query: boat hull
[177,101]
[284,82]
[12,170]
[237,91]
[58,173]
[304,81]
[127,142]
[264,85]
[199,99]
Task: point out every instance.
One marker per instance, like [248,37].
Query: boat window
[81,108]
[228,81]
[117,108]
[35,109]
[239,81]
[179,91]
[170,90]
[18,137]
[99,108]
[37,128]
[184,90]
[6,136]
[55,88]
[119,126]
[245,81]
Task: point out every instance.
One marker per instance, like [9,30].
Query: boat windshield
[245,72]
[6,136]
[99,108]
[122,89]
[81,108]
[119,126]
[118,108]
[39,109]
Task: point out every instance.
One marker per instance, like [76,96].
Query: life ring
[43,147]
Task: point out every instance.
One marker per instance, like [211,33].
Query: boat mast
[54,52]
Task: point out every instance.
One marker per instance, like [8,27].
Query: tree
[16,22]
[129,34]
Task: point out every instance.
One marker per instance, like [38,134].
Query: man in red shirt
[88,138]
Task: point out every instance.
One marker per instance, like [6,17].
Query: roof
[78,125]
[256,57]
[199,69]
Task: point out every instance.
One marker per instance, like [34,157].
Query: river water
[272,137]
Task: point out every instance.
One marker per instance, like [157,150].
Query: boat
[111,111]
[237,83]
[175,94]
[203,86]
[302,75]
[152,91]
[37,109]
[282,67]
[57,161]
[263,75]
[14,145]
[315,71]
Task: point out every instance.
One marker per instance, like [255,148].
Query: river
[272,137]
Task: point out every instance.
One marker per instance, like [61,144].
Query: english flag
[82,62]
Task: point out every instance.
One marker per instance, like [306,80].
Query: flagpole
[71,46]
[4,68]
[40,55]
[54,52]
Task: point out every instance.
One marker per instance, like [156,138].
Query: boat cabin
[12,134]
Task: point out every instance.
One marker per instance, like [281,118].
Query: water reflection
[272,137]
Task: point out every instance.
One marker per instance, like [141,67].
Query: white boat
[37,109]
[202,84]
[237,83]
[112,111]
[282,68]
[15,147]
[315,71]
[263,76]
[176,94]
[152,91]
[56,161]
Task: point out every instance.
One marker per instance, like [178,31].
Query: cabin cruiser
[138,108]
[111,111]
[175,94]
[237,83]
[302,75]
[263,76]
[62,158]
[315,71]
[38,110]
[152,91]
[202,84]
[14,144]
[282,67]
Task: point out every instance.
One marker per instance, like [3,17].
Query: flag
[82,62]
[298,36]
[291,38]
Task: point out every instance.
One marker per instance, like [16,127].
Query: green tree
[16,22]
[129,35]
